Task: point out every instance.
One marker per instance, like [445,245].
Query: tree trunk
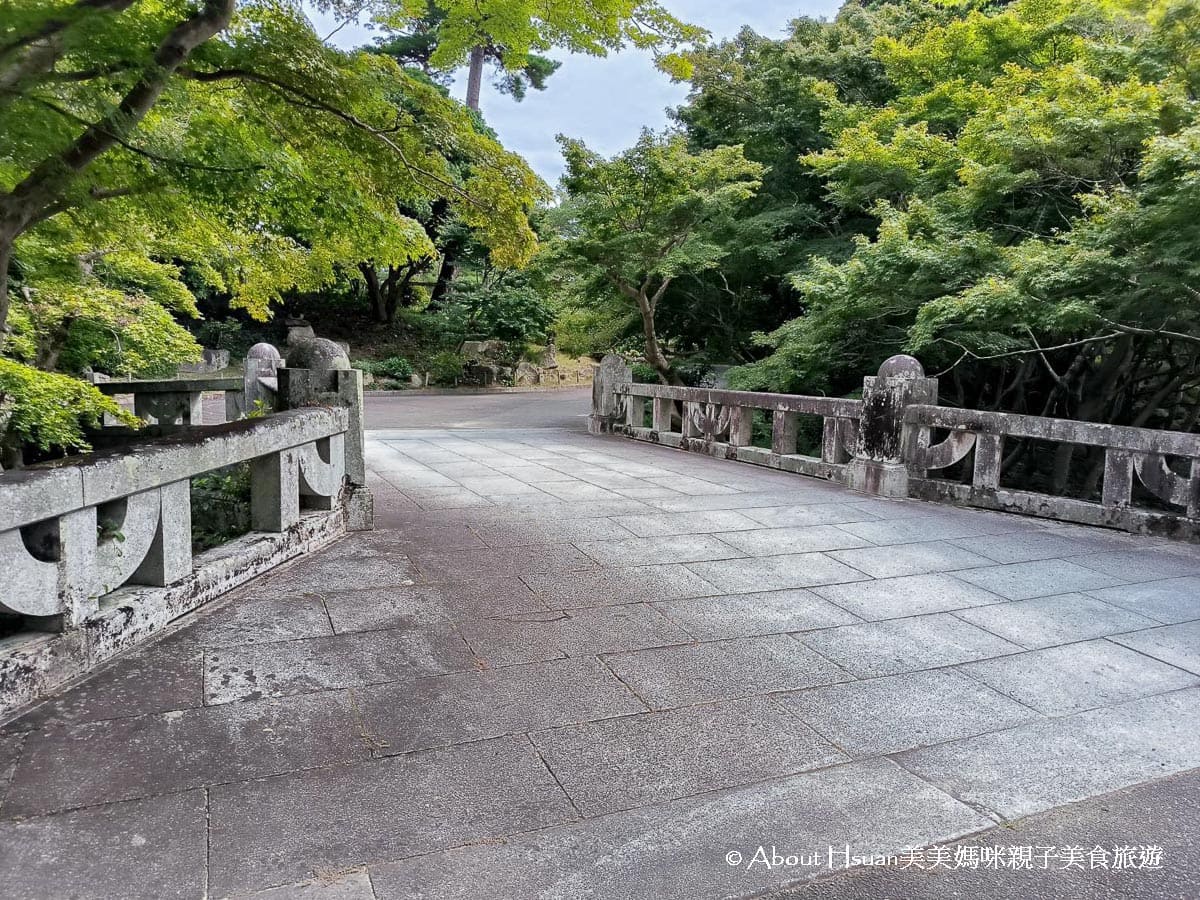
[654,354]
[6,249]
[475,78]
[374,294]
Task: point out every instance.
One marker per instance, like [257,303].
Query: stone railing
[882,445]
[97,549]
[721,423]
[1127,453]
[179,401]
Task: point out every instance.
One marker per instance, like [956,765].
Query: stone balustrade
[1149,456]
[882,445]
[97,549]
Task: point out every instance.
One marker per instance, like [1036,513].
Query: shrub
[446,367]
[50,411]
[396,367]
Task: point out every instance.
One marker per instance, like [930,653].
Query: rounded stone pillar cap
[902,366]
[319,354]
[263,351]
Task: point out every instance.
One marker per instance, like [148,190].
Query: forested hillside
[1008,191]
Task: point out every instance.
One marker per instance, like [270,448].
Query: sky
[605,101]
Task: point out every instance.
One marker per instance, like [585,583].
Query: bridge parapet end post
[608,407]
[885,442]
[317,373]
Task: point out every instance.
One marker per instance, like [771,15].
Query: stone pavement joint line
[567,666]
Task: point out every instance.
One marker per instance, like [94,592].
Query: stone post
[878,466]
[258,380]
[608,410]
[318,373]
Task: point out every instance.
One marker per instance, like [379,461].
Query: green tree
[633,224]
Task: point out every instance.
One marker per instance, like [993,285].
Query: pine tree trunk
[475,78]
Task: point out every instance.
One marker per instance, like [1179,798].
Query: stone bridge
[568,666]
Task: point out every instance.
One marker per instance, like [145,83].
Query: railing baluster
[691,412]
[1193,504]
[741,426]
[989,453]
[664,411]
[635,411]
[1118,478]
[784,432]
[275,491]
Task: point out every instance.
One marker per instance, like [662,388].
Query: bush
[396,367]
[446,367]
[50,411]
[644,373]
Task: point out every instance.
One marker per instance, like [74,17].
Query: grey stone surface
[657,550]
[259,621]
[777,541]
[1025,546]
[1171,601]
[909,595]
[427,604]
[610,587]
[655,525]
[470,565]
[677,850]
[142,850]
[909,559]
[578,632]
[420,713]
[1023,581]
[678,676]
[1177,645]
[899,712]
[334,886]
[154,680]
[747,615]
[906,645]
[811,514]
[293,667]
[932,527]
[561,531]
[641,759]
[1046,621]
[1076,677]
[176,751]
[283,830]
[1165,810]
[10,751]
[1140,565]
[774,573]
[1037,766]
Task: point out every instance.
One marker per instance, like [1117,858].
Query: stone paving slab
[424,713]
[678,676]
[1035,767]
[159,679]
[335,886]
[579,632]
[1048,621]
[778,541]
[1170,601]
[285,829]
[909,595]
[1044,578]
[899,712]
[369,657]
[1176,645]
[775,572]
[906,645]
[170,752]
[749,615]
[473,565]
[637,760]
[419,605]
[141,850]
[260,621]
[1140,565]
[1077,677]
[909,559]
[611,587]
[677,851]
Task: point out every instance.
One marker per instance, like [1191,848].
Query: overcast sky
[607,101]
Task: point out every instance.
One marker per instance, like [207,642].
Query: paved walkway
[570,667]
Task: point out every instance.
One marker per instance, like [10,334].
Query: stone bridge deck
[571,667]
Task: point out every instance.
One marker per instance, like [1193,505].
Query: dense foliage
[1006,190]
